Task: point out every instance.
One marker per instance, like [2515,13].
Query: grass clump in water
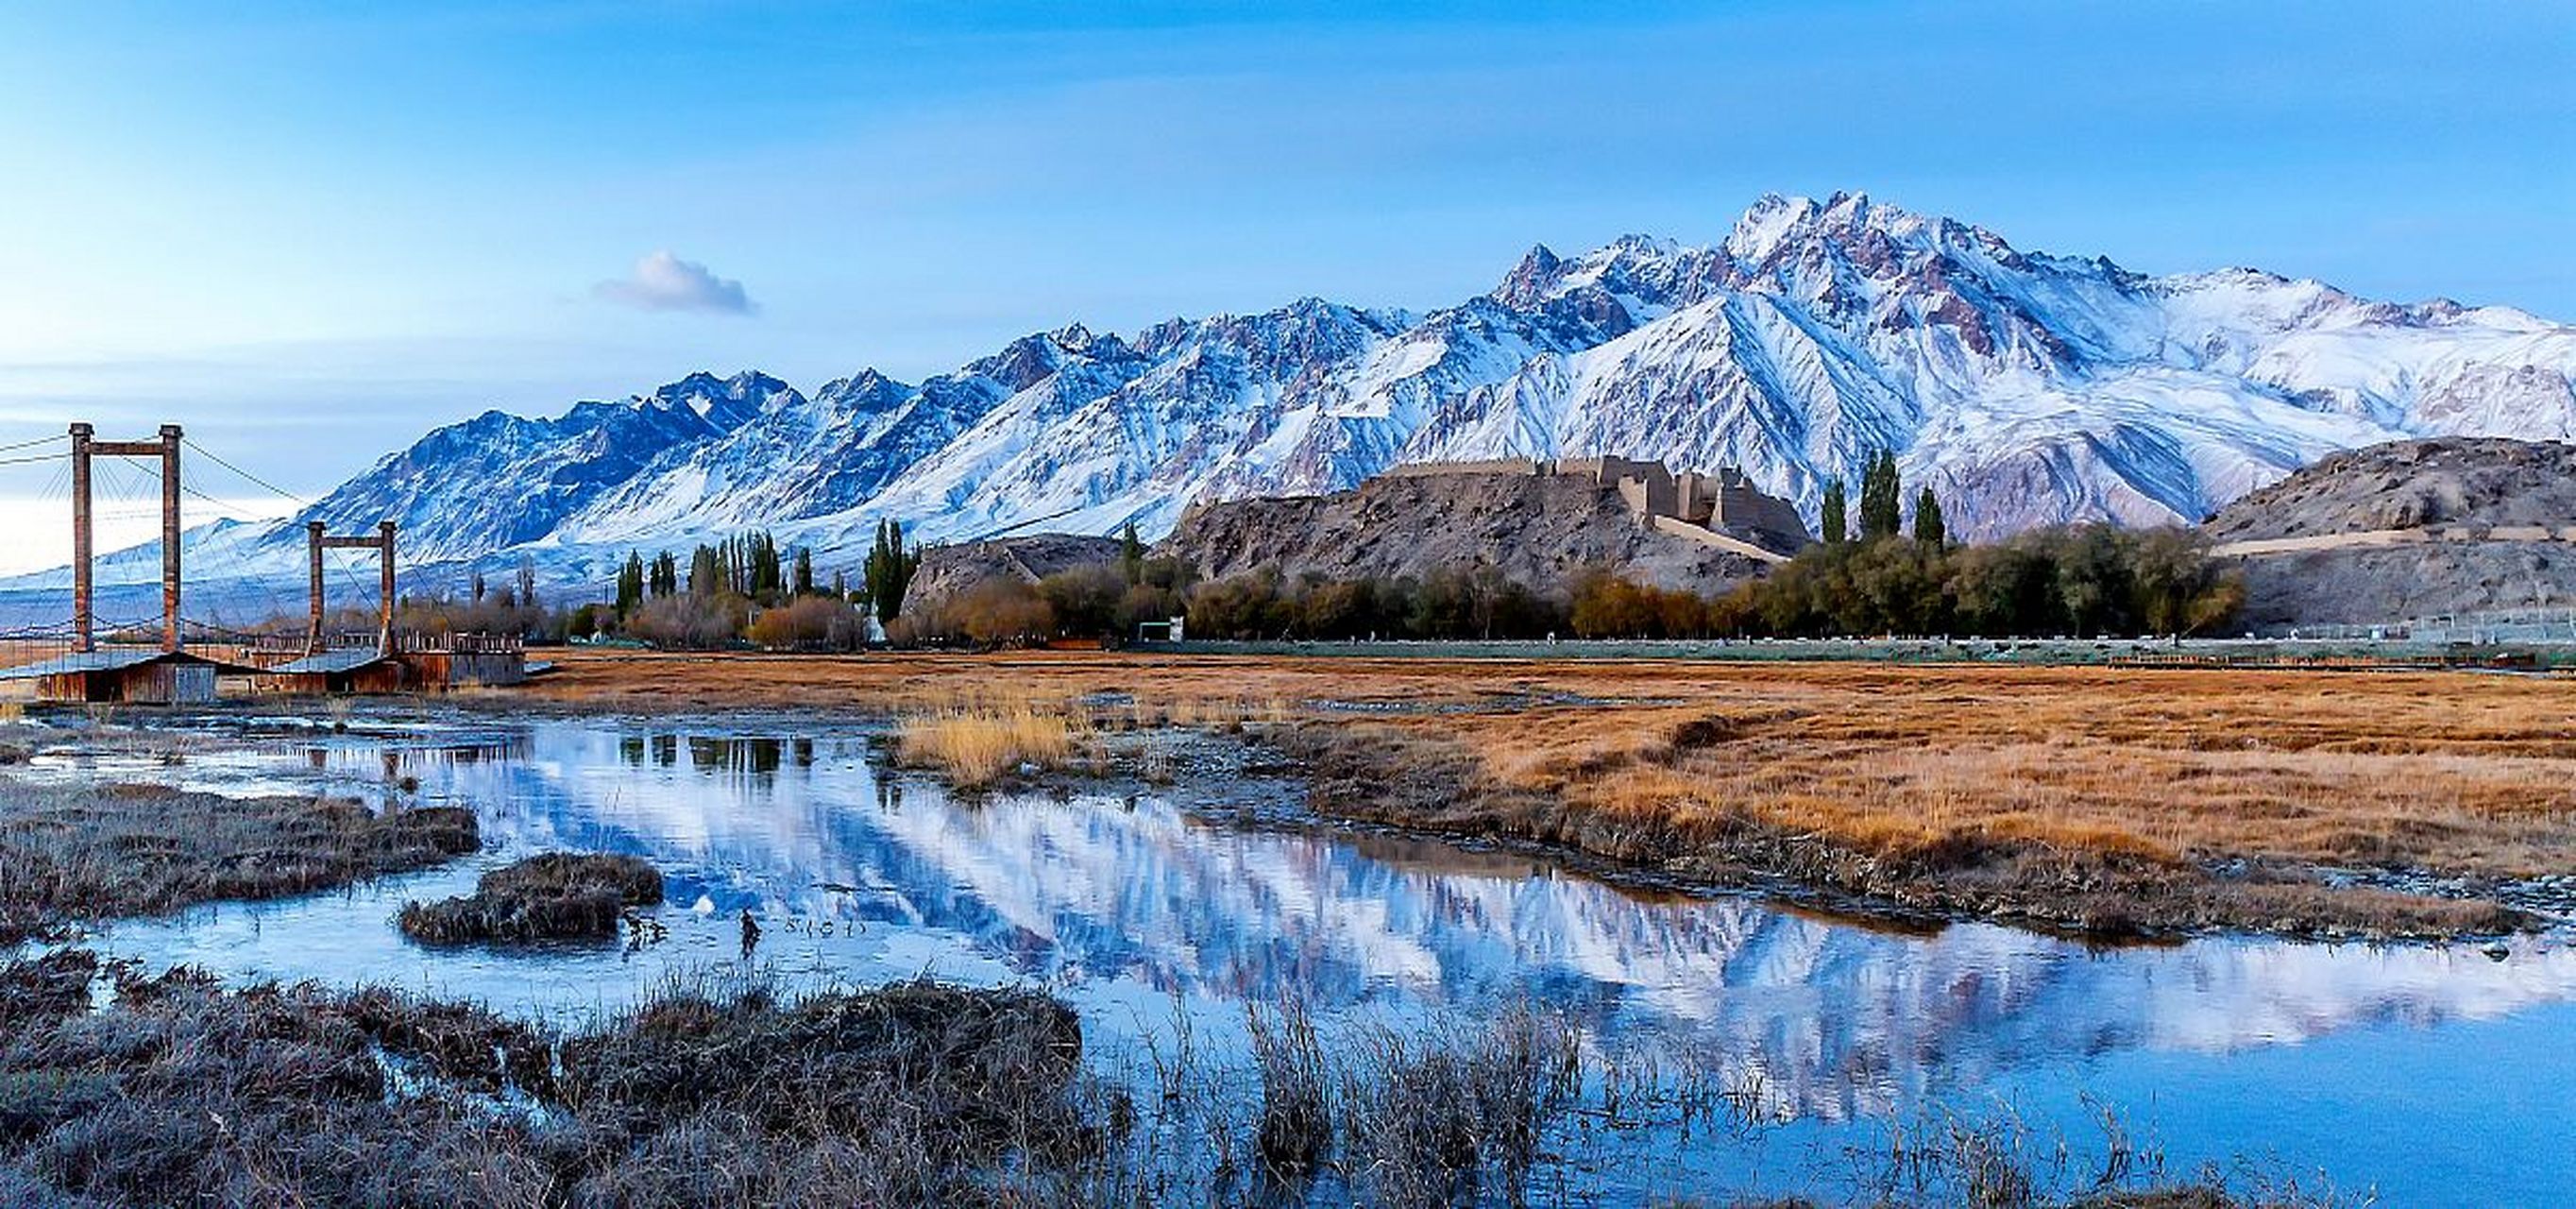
[977,746]
[553,896]
[70,853]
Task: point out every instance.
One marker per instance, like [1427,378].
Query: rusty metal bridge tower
[85,446]
[382,541]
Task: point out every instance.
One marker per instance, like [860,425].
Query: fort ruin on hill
[1724,510]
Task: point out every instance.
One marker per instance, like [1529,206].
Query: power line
[337,558]
[218,459]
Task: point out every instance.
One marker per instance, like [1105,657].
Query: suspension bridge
[179,658]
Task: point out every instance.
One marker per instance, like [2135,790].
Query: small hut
[141,676]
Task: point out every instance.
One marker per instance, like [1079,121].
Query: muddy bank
[1409,779]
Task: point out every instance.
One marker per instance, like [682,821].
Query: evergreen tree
[1882,497]
[888,571]
[1835,525]
[666,575]
[804,585]
[630,584]
[1131,555]
[478,585]
[762,554]
[1928,528]
[840,585]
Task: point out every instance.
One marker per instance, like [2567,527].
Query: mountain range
[2025,388]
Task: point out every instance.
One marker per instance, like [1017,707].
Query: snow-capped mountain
[2026,388]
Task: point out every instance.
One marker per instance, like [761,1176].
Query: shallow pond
[2432,1075]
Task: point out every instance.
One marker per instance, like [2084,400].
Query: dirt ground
[1899,772]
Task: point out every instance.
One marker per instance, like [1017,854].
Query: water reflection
[1125,904]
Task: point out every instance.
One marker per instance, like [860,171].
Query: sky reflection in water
[2415,1069]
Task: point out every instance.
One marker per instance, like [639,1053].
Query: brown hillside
[1539,531]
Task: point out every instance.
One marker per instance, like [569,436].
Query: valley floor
[2102,800]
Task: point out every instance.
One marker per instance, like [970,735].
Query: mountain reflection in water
[1129,906]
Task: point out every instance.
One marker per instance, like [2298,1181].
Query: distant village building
[1723,509]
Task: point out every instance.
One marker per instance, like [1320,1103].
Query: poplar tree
[1835,525]
[630,584]
[1928,527]
[888,571]
[1131,555]
[1882,497]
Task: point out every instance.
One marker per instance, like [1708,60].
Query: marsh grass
[719,1089]
[2454,773]
[79,853]
[185,1093]
[977,746]
[550,896]
[1987,833]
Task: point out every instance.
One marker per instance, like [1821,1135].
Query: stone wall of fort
[1722,503]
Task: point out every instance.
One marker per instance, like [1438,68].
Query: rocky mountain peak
[1532,280]
[2024,389]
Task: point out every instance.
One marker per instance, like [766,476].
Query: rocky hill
[2409,530]
[2457,481]
[1539,531]
[948,571]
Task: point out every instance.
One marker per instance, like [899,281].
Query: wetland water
[2432,1075]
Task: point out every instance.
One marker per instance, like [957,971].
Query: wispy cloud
[664,282]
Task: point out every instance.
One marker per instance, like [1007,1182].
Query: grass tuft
[978,746]
[552,896]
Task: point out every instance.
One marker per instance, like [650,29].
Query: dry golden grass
[2452,771]
[979,746]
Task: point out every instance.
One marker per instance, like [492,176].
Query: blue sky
[311,231]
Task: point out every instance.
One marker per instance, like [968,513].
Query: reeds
[977,746]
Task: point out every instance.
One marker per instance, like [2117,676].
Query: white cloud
[664,282]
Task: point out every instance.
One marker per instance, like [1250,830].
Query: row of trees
[1882,512]
[748,566]
[2078,580]
[747,588]
[513,608]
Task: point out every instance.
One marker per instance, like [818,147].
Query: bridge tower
[382,541]
[85,446]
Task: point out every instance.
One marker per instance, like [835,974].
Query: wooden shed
[134,676]
[347,670]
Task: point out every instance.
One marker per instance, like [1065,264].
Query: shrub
[691,621]
[810,623]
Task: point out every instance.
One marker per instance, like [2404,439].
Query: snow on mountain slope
[2026,388]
